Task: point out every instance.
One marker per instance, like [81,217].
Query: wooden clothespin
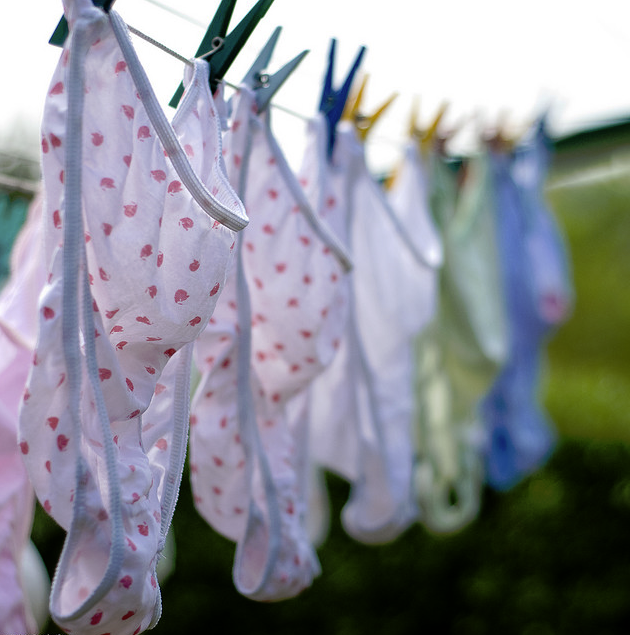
[364,123]
[425,137]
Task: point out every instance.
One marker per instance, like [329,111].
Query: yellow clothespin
[364,123]
[425,136]
[414,132]
[430,133]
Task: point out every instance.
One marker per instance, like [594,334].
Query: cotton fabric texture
[18,334]
[538,297]
[461,352]
[277,326]
[135,266]
[362,407]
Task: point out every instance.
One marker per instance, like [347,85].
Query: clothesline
[188,62]
[181,58]
[399,143]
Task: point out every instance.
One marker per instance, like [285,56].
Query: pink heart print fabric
[277,326]
[136,263]
[18,334]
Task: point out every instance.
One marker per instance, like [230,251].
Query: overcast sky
[485,57]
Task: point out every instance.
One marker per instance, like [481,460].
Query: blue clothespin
[265,85]
[61,32]
[225,48]
[333,101]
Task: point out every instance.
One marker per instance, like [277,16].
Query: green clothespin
[61,32]
[226,47]
[265,85]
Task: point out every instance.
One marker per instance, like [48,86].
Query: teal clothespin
[265,85]
[332,102]
[230,45]
[61,32]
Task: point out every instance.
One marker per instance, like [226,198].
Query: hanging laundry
[409,197]
[277,326]
[461,352]
[135,263]
[18,333]
[538,296]
[362,407]
[545,242]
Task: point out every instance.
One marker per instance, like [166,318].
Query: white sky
[485,57]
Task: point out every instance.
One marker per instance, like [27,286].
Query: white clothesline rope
[188,62]
[398,143]
[394,142]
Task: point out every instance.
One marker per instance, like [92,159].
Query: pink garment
[18,333]
[362,406]
[276,327]
[136,264]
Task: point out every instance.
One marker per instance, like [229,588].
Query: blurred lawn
[588,389]
[549,557]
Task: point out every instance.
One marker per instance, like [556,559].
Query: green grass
[588,390]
